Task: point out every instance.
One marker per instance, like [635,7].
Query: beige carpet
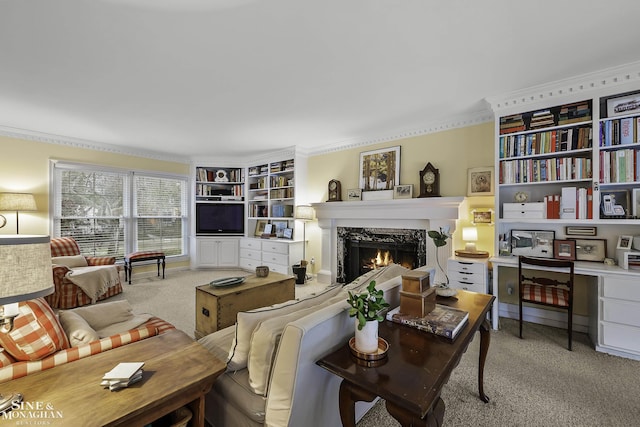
[531,382]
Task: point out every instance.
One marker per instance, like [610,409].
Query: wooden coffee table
[417,366]
[217,308]
[177,372]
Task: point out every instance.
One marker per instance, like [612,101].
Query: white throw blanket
[95,280]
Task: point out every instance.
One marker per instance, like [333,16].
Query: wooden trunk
[216,308]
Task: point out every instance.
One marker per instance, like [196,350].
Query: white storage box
[523,210]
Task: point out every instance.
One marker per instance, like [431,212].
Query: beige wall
[452,152]
[24,167]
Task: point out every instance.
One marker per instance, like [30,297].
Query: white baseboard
[541,316]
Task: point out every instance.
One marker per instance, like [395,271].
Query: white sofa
[298,392]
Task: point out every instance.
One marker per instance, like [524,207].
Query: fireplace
[361,250]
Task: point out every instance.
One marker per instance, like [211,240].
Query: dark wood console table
[417,366]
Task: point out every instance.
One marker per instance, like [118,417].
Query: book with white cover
[123,371]
[568,203]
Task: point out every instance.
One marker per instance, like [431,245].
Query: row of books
[284,166]
[557,116]
[442,320]
[282,211]
[258,184]
[572,203]
[280,181]
[545,142]
[216,190]
[209,175]
[619,166]
[258,211]
[544,170]
[258,170]
[282,193]
[620,131]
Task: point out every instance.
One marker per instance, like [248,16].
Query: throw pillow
[70,261]
[36,333]
[5,359]
[76,328]
[99,316]
[246,322]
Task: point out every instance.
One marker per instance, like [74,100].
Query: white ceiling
[187,78]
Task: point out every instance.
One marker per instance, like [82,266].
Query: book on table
[123,375]
[442,320]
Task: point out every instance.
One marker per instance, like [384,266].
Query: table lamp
[470,235]
[25,273]
[17,202]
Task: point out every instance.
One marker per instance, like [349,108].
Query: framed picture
[482,216]
[278,227]
[268,229]
[623,105]
[287,233]
[260,225]
[591,249]
[625,242]
[403,191]
[480,181]
[354,194]
[572,230]
[635,204]
[535,243]
[380,169]
[564,249]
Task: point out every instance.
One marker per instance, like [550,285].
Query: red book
[556,206]
[589,203]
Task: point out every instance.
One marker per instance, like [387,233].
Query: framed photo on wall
[380,169]
[564,249]
[480,181]
[482,216]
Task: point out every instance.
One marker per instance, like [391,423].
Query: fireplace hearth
[361,250]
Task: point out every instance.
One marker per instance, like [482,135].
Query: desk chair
[545,291]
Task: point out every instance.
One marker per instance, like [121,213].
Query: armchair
[68,264]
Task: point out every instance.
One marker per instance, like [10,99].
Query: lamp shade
[25,268]
[305,213]
[17,202]
[469,234]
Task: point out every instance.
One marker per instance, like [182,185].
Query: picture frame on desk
[354,194]
[403,191]
[534,243]
[564,249]
[260,226]
[591,249]
[625,243]
[287,233]
[278,227]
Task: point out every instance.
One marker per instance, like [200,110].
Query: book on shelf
[442,320]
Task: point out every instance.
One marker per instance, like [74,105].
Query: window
[114,212]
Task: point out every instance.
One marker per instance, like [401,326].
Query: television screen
[220,218]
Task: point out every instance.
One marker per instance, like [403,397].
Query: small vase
[367,337]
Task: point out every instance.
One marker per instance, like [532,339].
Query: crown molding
[599,83]
[30,135]
[460,121]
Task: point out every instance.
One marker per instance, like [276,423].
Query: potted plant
[440,239]
[367,308]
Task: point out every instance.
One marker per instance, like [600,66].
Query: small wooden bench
[142,256]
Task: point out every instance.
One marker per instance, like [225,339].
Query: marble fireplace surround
[417,214]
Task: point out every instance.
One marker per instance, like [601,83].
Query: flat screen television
[219,218]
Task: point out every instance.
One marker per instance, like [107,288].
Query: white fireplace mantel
[419,213]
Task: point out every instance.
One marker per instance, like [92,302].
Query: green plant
[368,305]
[440,239]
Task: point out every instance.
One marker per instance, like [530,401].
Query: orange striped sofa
[38,342]
[68,295]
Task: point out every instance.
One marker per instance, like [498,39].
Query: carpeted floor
[531,382]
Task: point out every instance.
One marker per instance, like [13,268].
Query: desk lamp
[17,202]
[25,273]
[470,235]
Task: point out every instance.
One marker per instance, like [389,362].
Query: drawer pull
[205,311]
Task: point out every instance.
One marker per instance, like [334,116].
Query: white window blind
[114,212]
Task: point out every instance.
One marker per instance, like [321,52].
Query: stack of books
[442,320]
[574,113]
[122,376]
[542,119]
[513,123]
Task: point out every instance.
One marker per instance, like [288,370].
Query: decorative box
[534,210]
[418,304]
[415,281]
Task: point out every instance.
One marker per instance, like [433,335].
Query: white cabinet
[217,252]
[470,274]
[278,255]
[619,315]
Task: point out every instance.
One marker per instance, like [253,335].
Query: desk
[615,323]
[417,366]
[178,371]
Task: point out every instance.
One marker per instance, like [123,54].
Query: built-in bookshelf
[219,184]
[271,190]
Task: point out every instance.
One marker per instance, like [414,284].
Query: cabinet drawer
[620,336]
[621,288]
[277,247]
[617,311]
[249,264]
[254,244]
[467,267]
[523,210]
[467,286]
[273,258]
[467,277]
[249,254]
[282,269]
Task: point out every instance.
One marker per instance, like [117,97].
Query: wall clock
[429,181]
[335,191]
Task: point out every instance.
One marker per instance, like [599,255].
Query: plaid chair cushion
[36,332]
[64,246]
[143,254]
[546,294]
